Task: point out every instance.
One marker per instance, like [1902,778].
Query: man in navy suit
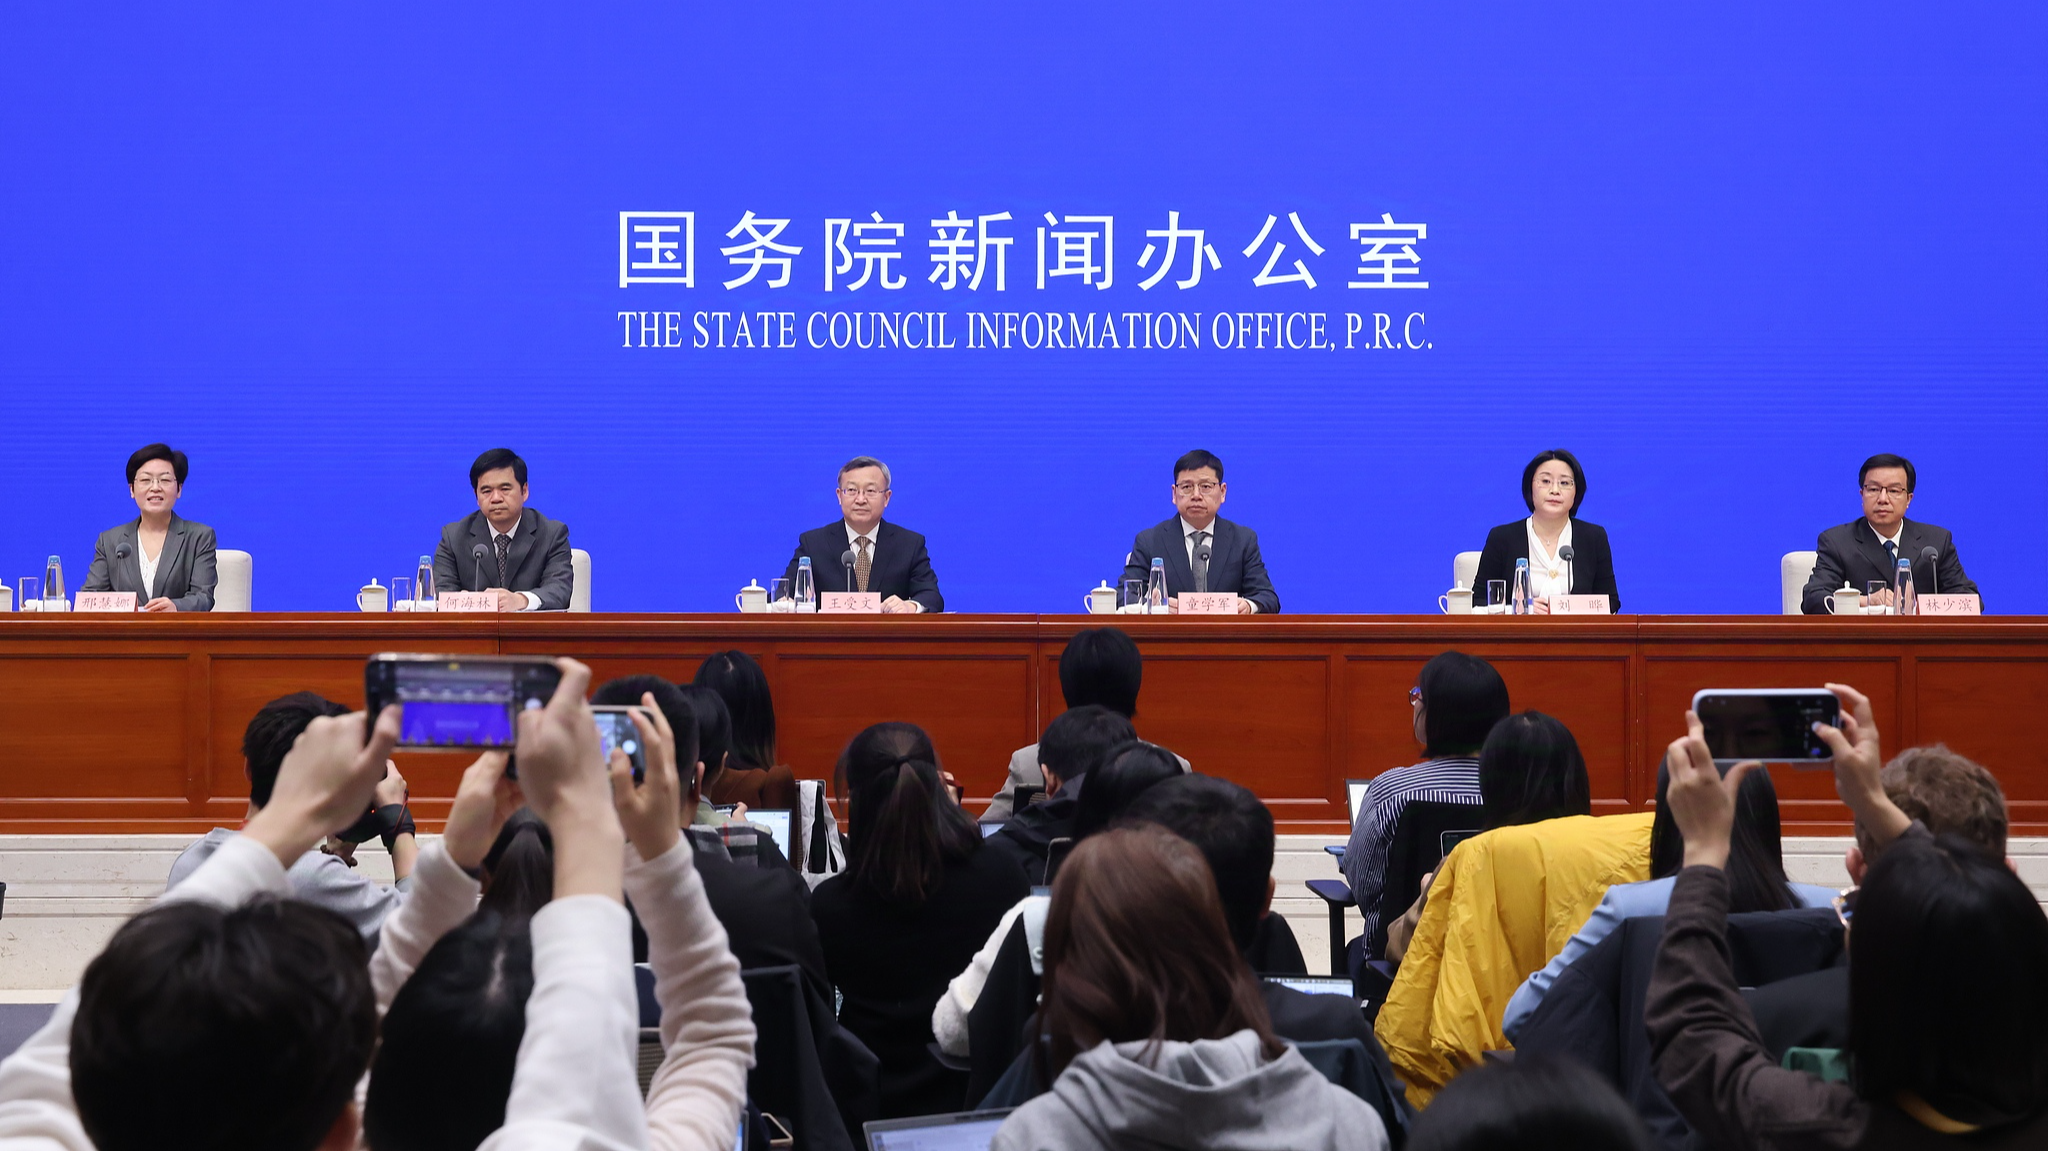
[886,559]
[1203,551]
[1869,548]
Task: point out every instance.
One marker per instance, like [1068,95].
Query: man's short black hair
[1234,831]
[495,459]
[272,732]
[1078,738]
[1570,461]
[1881,460]
[205,1027]
[143,455]
[1462,699]
[1532,1101]
[1102,666]
[1197,460]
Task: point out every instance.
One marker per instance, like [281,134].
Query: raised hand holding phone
[325,782]
[1702,800]
[651,812]
[1858,762]
[562,773]
[484,800]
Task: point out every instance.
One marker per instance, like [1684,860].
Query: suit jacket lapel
[1873,548]
[166,564]
[465,564]
[1179,573]
[523,544]
[130,574]
[887,544]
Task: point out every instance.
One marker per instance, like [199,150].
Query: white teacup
[373,597]
[1456,602]
[6,598]
[1845,602]
[1101,601]
[752,598]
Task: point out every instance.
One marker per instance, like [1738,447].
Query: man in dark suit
[1203,551]
[886,559]
[525,556]
[1870,548]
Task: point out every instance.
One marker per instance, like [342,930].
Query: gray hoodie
[1205,1094]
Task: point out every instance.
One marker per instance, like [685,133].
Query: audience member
[1074,742]
[1098,666]
[1158,1037]
[918,896]
[1948,1028]
[1456,701]
[1125,773]
[1528,1102]
[752,775]
[1756,883]
[326,876]
[1233,829]
[1952,796]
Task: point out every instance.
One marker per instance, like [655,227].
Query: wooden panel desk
[134,724]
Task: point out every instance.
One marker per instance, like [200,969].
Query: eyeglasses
[870,493]
[1561,484]
[1189,487]
[1845,905]
[1895,492]
[148,482]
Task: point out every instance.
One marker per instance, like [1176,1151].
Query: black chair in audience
[1593,1013]
[1003,1016]
[817,1079]
[1423,836]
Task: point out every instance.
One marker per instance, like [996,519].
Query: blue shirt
[1451,781]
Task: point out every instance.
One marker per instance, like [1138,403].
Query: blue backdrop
[1723,252]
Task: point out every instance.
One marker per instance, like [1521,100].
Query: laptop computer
[1314,985]
[943,1131]
[776,820]
[1354,797]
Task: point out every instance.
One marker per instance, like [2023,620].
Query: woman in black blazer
[1553,486]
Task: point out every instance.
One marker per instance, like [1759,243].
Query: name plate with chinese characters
[1949,604]
[467,602]
[869,603]
[1581,604]
[105,602]
[1206,604]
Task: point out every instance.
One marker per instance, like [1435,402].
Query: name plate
[1949,604]
[1582,604]
[467,602]
[105,602]
[869,603]
[1206,604]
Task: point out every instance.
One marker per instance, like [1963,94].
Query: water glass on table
[1496,596]
[781,595]
[31,593]
[1871,588]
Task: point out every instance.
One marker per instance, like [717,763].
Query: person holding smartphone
[165,559]
[1566,555]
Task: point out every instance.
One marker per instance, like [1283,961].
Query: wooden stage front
[133,724]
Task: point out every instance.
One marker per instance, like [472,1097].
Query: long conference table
[133,724]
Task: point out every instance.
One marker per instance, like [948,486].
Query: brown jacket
[755,787]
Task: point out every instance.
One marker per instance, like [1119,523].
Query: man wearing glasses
[1869,548]
[1203,551]
[887,559]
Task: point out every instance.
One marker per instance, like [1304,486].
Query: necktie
[1201,562]
[1891,549]
[862,564]
[504,544]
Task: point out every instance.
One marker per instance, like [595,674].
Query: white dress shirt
[531,600]
[149,564]
[1549,576]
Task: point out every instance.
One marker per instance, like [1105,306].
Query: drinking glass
[401,589]
[1496,594]
[1130,596]
[1870,590]
[31,589]
[781,595]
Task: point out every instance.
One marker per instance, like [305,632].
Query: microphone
[1932,554]
[121,552]
[1202,554]
[846,558]
[483,582]
[1572,571]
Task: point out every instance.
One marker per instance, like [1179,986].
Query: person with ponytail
[916,900]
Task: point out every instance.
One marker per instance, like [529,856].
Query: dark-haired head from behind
[903,827]
[272,732]
[204,1027]
[741,683]
[1756,854]
[1529,1102]
[1234,832]
[495,459]
[1078,738]
[1462,699]
[714,728]
[1102,666]
[451,1039]
[1530,770]
[519,870]
[180,466]
[1126,772]
[1946,996]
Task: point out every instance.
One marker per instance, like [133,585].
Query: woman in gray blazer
[167,561]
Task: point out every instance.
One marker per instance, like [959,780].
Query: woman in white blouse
[166,560]
[1566,555]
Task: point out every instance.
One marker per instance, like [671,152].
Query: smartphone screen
[1772,725]
[615,729]
[457,701]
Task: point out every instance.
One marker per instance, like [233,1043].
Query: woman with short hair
[165,559]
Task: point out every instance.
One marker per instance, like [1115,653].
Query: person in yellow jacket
[1503,903]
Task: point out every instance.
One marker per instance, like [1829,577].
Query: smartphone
[458,701]
[1025,796]
[615,729]
[1774,725]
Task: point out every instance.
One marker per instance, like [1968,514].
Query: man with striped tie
[1870,547]
[504,546]
[861,553]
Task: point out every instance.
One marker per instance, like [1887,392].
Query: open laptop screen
[950,1130]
